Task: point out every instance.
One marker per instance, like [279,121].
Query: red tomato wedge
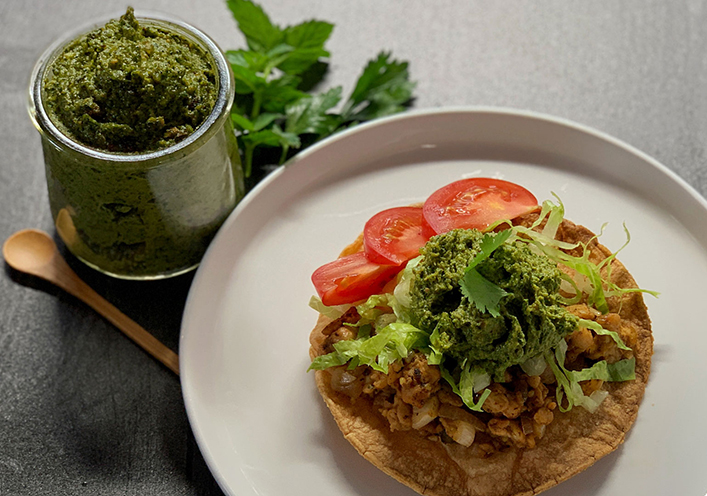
[394,236]
[351,278]
[475,203]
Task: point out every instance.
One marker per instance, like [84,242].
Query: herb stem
[283,155]
[257,101]
[248,155]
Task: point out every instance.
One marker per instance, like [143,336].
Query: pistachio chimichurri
[127,87]
[531,318]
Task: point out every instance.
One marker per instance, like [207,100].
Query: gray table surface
[82,409]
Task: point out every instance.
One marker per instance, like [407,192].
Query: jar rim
[221,109]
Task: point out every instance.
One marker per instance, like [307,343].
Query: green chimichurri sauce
[130,88]
[531,318]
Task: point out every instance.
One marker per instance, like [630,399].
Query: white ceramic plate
[255,412]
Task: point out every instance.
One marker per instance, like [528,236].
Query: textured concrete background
[82,410]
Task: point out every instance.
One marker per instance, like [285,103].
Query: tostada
[480,343]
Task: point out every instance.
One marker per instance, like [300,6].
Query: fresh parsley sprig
[276,113]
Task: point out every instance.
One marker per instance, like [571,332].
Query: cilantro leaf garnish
[276,113]
[484,294]
[488,245]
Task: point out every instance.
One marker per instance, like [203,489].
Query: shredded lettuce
[471,381]
[436,354]
[370,310]
[384,320]
[555,215]
[374,309]
[598,329]
[568,380]
[400,300]
[569,285]
[623,370]
[589,279]
[392,342]
[612,288]
[333,312]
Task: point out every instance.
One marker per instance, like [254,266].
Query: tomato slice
[351,278]
[475,203]
[394,236]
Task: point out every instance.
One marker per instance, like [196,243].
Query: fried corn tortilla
[572,442]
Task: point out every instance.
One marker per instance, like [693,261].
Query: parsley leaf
[276,112]
[281,92]
[309,115]
[308,40]
[382,89]
[260,33]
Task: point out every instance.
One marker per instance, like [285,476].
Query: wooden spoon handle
[71,283]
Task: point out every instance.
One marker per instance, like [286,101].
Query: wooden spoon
[34,252]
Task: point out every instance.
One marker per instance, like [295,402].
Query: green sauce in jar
[141,160]
[130,88]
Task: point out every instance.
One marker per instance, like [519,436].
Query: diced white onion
[592,402]
[462,432]
[425,414]
[481,380]
[599,396]
[384,319]
[539,430]
[527,424]
[345,382]
[465,434]
[534,366]
[567,287]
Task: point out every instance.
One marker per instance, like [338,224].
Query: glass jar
[142,215]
